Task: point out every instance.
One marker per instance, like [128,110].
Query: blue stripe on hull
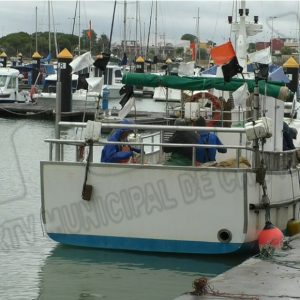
[151,245]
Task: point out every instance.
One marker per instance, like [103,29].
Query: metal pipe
[158,127]
[58,114]
[77,142]
[50,151]
[62,152]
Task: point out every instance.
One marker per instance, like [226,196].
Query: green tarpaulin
[276,90]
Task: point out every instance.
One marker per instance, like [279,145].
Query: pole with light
[272,18]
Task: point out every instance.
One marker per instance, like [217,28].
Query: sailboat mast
[49,28]
[197,33]
[36,45]
[124,21]
[155,40]
[155,36]
[136,26]
[79,50]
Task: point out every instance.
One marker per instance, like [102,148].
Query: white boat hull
[155,208]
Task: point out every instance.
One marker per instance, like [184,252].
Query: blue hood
[116,134]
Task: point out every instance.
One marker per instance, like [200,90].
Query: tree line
[22,42]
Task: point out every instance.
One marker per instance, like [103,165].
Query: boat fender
[216,105]
[293,227]
[33,93]
[270,238]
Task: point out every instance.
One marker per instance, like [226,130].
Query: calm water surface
[34,267]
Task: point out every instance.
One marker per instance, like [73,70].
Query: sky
[174,18]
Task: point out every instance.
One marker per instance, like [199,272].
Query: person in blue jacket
[118,153]
[204,155]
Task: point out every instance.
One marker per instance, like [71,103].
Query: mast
[124,24]
[197,33]
[36,45]
[243,30]
[79,46]
[155,40]
[49,28]
[155,36]
[136,26]
[54,30]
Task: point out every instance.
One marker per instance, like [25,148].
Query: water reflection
[88,274]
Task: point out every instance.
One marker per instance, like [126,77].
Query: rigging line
[41,221]
[112,25]
[293,192]
[148,37]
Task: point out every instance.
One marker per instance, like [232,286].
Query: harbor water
[35,267]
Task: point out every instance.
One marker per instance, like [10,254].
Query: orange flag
[89,32]
[193,48]
[222,54]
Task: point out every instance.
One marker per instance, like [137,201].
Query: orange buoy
[270,236]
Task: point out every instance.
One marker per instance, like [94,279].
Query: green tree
[286,50]
[211,43]
[203,54]
[179,51]
[102,43]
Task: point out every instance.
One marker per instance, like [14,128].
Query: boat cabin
[9,86]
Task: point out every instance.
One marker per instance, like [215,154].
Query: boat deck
[274,278]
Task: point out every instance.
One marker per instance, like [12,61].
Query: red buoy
[270,236]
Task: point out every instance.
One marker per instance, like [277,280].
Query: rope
[201,287]
[25,115]
[41,222]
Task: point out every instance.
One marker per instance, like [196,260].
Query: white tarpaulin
[262,56]
[240,95]
[127,108]
[186,69]
[82,61]
[95,84]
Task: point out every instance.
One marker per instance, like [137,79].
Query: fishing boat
[150,205]
[112,77]
[9,86]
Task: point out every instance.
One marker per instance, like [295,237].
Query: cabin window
[2,80]
[12,83]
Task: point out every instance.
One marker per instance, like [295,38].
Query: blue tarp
[278,75]
[210,71]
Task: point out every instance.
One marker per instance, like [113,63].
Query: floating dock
[273,278]
[81,110]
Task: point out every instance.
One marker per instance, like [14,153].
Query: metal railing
[274,160]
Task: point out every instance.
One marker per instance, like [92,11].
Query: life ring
[216,104]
